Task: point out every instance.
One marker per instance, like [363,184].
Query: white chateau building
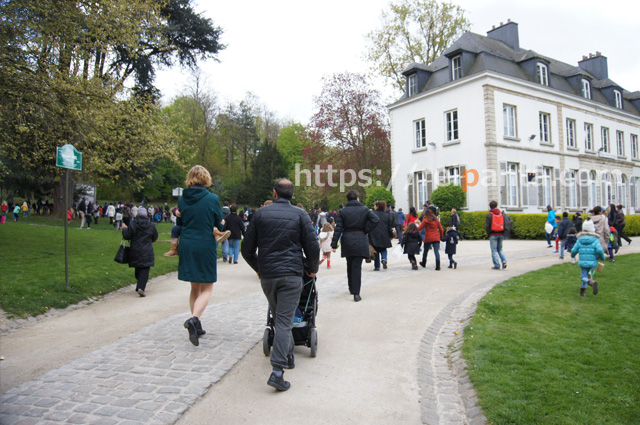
[526,130]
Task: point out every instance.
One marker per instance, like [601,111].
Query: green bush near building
[525,226]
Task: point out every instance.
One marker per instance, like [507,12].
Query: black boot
[199,329]
[192,327]
[437,264]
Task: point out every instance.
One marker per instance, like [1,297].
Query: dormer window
[413,84]
[541,71]
[618,97]
[456,68]
[586,89]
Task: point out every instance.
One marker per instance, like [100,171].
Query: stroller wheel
[313,342]
[266,344]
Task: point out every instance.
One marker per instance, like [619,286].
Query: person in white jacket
[325,237]
[111,212]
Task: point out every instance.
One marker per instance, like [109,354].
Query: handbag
[397,252]
[122,256]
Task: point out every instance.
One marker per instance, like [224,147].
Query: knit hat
[589,227]
[142,213]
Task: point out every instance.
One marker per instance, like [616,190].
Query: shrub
[633,225]
[380,194]
[528,226]
[448,196]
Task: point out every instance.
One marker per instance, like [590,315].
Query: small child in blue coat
[590,250]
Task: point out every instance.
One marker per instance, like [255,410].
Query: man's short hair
[353,195]
[493,204]
[233,208]
[284,188]
[565,214]
[225,203]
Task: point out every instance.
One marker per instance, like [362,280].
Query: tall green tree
[63,68]
[413,31]
[266,168]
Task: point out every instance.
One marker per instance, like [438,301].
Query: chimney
[507,33]
[595,65]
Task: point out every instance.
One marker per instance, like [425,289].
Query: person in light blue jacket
[590,250]
[551,219]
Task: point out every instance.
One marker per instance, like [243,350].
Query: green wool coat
[200,212]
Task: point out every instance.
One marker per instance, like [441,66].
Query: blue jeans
[380,252]
[225,249]
[234,248]
[584,275]
[563,242]
[427,247]
[550,236]
[496,250]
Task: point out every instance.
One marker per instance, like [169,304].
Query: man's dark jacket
[563,228]
[354,223]
[281,233]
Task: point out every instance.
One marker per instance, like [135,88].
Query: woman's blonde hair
[198,176]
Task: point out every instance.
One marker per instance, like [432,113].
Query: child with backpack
[411,242]
[450,241]
[590,251]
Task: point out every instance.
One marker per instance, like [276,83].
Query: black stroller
[304,327]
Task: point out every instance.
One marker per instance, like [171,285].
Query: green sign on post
[69,157]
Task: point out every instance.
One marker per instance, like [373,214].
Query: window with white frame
[451,118]
[413,84]
[545,127]
[586,89]
[571,133]
[618,97]
[421,187]
[634,146]
[593,189]
[421,133]
[509,119]
[453,175]
[547,186]
[620,142]
[512,184]
[572,188]
[541,70]
[588,136]
[607,192]
[456,68]
[605,139]
[621,186]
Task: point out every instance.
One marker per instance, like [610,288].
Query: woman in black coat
[142,234]
[234,224]
[353,223]
[381,235]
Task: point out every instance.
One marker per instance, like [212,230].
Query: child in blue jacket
[590,250]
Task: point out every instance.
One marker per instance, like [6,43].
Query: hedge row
[525,226]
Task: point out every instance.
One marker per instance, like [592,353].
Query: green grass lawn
[538,353]
[32,260]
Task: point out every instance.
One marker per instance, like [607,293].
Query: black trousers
[354,274]
[412,258]
[620,229]
[142,274]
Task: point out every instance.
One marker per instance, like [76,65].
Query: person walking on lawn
[283,237]
[563,231]
[142,234]
[494,226]
[200,213]
[589,249]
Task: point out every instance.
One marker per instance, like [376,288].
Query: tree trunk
[59,209]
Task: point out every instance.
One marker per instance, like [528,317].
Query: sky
[280,50]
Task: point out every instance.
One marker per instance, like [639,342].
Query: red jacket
[433,232]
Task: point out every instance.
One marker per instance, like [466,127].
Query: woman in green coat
[200,212]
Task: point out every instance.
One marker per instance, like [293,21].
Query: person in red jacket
[432,236]
[496,235]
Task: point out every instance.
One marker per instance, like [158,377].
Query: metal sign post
[67,157]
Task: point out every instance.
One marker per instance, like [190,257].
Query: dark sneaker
[384,264]
[278,382]
[423,264]
[495,268]
[455,264]
[595,288]
[504,266]
[357,298]
[141,292]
